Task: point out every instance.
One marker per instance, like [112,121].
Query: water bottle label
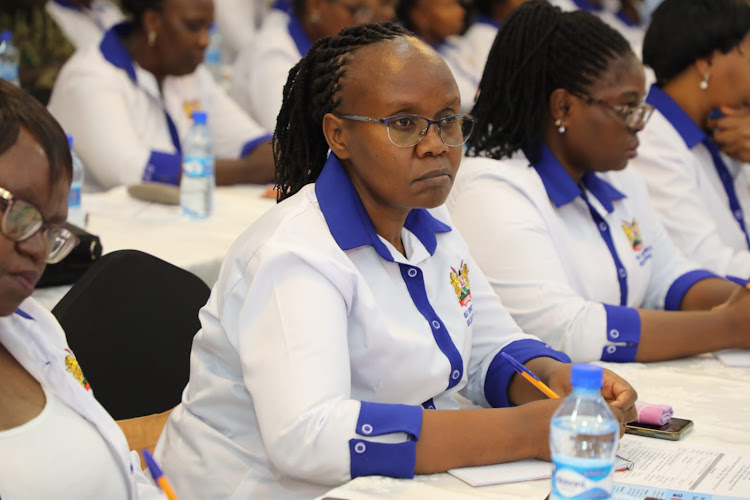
[9,72]
[74,197]
[198,166]
[212,56]
[580,479]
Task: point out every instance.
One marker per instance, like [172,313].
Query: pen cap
[586,376]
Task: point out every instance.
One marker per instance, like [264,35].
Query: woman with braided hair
[568,238]
[346,319]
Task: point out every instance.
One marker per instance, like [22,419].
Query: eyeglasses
[634,117]
[22,220]
[359,13]
[406,131]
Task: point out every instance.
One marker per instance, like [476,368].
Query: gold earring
[151,38]
[560,126]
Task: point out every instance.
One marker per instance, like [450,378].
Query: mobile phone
[673,430]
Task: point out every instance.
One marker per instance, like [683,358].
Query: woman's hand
[732,132]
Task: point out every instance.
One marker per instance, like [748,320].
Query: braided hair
[312,89]
[538,49]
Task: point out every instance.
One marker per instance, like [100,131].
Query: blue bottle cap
[586,376]
[70,140]
[199,117]
[6,36]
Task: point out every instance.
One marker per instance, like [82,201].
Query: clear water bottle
[583,439]
[9,58]
[198,182]
[212,57]
[76,215]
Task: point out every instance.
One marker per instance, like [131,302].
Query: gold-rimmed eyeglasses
[21,220]
[634,117]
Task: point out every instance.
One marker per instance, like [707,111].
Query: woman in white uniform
[691,161]
[128,101]
[84,22]
[262,66]
[346,318]
[439,23]
[56,440]
[568,238]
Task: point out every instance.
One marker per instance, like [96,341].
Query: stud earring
[704,82]
[151,38]
[314,17]
[560,126]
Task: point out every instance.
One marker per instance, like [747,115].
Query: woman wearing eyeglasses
[56,440]
[564,232]
[345,320]
[691,157]
[262,66]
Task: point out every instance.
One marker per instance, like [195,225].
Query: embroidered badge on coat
[634,234]
[72,366]
[460,282]
[189,106]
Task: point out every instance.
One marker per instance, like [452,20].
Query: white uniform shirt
[261,69]
[569,273]
[35,339]
[237,21]
[478,41]
[611,14]
[125,130]
[688,193]
[84,27]
[321,343]
[466,67]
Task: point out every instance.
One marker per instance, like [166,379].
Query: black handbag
[68,270]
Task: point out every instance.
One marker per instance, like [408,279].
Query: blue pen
[529,375]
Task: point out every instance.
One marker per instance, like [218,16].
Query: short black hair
[487,7]
[312,89]
[683,31]
[136,9]
[538,49]
[18,109]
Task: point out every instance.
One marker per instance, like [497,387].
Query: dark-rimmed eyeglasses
[22,220]
[405,130]
[634,117]
[358,13]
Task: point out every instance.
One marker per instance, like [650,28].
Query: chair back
[130,320]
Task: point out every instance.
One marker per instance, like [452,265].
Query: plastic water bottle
[9,58]
[583,440]
[212,57]
[76,215]
[198,182]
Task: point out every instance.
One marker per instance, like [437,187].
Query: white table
[199,246]
[700,388]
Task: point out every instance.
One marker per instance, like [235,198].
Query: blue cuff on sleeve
[252,144]
[623,329]
[163,167]
[501,372]
[680,287]
[740,281]
[376,419]
[382,459]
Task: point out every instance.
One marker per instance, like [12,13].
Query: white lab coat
[84,27]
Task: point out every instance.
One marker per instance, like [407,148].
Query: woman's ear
[336,136]
[559,105]
[152,23]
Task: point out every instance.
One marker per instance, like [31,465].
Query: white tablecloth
[700,388]
[198,246]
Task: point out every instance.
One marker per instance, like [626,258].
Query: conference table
[199,246]
[700,388]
